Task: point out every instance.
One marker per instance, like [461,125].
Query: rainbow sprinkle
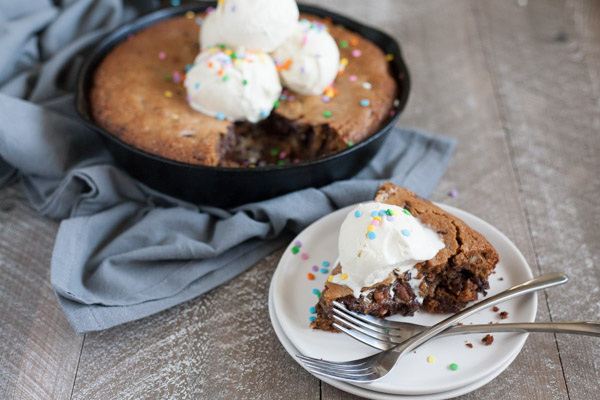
[330,92]
[378,217]
[285,65]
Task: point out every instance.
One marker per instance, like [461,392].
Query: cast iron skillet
[229,187]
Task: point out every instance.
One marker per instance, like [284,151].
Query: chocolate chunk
[488,339]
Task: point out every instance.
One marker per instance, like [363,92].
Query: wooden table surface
[517,82]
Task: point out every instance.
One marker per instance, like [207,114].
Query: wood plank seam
[502,112]
[570,11]
[499,102]
[77,367]
[561,361]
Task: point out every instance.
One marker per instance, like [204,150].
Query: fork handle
[581,328]
[542,282]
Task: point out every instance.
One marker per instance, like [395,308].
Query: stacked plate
[424,374]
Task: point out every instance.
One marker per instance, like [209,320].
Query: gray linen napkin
[124,251]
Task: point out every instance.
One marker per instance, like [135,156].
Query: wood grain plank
[585,15]
[218,346]
[38,349]
[550,105]
[452,94]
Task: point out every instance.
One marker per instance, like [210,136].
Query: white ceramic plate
[370,394]
[294,295]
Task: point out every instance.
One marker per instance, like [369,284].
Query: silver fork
[382,337]
[375,367]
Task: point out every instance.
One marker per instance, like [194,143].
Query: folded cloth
[124,251]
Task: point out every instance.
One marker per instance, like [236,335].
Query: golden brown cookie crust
[133,98]
[454,277]
[466,252]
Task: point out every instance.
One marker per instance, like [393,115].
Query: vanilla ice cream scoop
[259,25]
[233,86]
[308,59]
[376,239]
[210,32]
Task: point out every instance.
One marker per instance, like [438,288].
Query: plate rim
[372,394]
[521,338]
